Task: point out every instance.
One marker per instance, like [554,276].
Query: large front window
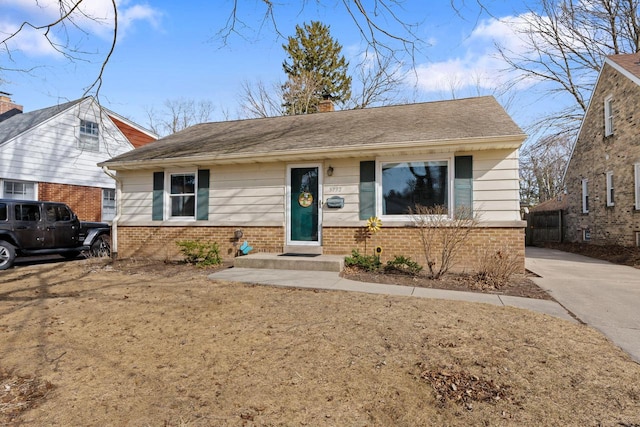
[183,195]
[407,184]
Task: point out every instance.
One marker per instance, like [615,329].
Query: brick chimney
[7,107]
[326,105]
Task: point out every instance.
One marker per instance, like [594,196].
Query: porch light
[330,171]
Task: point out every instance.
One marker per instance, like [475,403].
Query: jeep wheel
[101,247]
[7,255]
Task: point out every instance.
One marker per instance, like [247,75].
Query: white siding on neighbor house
[50,152]
[496,195]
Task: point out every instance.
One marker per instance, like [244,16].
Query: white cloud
[479,68]
[29,40]
[95,17]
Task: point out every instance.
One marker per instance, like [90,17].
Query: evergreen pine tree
[314,67]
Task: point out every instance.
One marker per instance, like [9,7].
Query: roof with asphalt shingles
[423,123]
[19,123]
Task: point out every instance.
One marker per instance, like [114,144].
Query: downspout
[114,222]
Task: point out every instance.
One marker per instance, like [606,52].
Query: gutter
[463,144]
[114,222]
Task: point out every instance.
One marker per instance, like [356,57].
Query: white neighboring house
[52,154]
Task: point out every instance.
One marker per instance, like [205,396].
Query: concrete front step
[311,262]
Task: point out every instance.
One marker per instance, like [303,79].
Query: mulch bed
[519,286]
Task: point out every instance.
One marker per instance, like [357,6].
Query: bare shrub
[441,235]
[497,268]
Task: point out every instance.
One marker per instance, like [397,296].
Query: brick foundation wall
[86,202]
[159,242]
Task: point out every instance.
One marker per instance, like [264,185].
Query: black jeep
[41,228]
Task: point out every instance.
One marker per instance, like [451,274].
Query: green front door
[304,199]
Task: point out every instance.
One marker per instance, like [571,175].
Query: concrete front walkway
[605,296]
[332,281]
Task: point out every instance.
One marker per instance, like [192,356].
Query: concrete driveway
[605,296]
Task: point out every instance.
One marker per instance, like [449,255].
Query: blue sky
[169,50]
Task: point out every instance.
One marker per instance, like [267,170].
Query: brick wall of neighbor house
[159,242]
[86,202]
[596,154]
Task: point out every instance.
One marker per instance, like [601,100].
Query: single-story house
[309,182]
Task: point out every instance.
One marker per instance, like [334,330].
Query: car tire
[7,255]
[101,247]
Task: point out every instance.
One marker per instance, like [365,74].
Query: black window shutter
[202,197]
[367,189]
[463,183]
[157,212]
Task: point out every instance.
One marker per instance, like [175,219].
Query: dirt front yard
[136,344]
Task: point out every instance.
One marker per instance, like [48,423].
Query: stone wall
[595,154]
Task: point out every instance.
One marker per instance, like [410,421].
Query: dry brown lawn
[136,344]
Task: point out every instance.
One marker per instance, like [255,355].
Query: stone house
[52,154]
[309,183]
[602,178]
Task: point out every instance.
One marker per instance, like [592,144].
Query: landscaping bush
[403,265]
[364,262]
[201,254]
[497,268]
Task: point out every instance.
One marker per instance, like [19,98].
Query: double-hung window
[89,136]
[405,185]
[19,190]
[608,116]
[108,204]
[182,195]
[610,191]
[585,196]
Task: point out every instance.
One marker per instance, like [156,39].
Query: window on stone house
[637,184]
[610,189]
[608,116]
[585,196]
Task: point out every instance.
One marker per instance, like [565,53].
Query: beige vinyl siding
[137,196]
[254,194]
[344,183]
[496,195]
[250,195]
